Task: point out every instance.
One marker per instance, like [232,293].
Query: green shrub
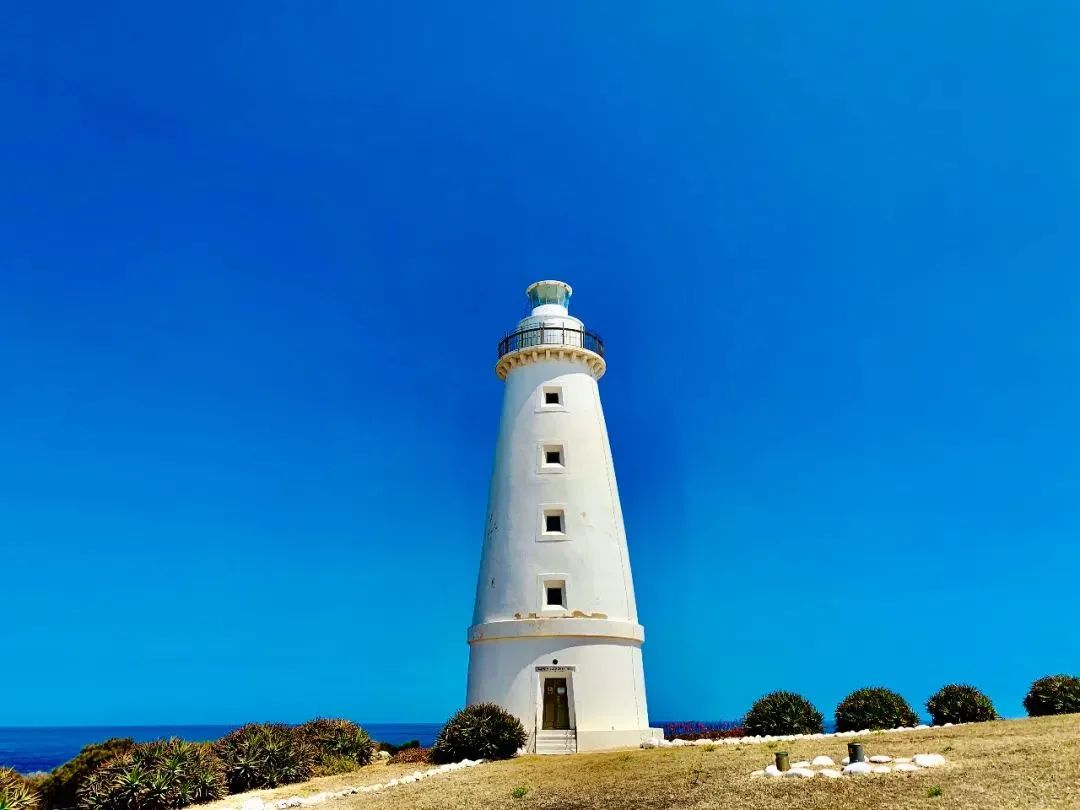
[335,741]
[483,731]
[872,708]
[15,792]
[60,790]
[1054,694]
[411,755]
[783,713]
[960,703]
[265,755]
[392,749]
[156,775]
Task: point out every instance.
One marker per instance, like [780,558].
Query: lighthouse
[555,638]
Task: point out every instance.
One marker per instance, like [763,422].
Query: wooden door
[556,704]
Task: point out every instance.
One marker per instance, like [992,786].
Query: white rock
[252,804]
[880,769]
[880,759]
[652,742]
[665,744]
[905,767]
[822,761]
[858,767]
[772,770]
[800,773]
[928,760]
[829,773]
[392,783]
[756,774]
[946,725]
[845,761]
[921,726]
[802,763]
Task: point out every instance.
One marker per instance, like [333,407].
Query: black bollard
[855,752]
[782,761]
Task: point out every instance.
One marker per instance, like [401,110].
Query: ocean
[41,749]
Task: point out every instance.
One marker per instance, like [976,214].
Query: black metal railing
[551,336]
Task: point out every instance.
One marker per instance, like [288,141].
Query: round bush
[155,776]
[483,731]
[783,713]
[336,744]
[60,790]
[264,755]
[960,703]
[1054,694]
[872,708]
[15,792]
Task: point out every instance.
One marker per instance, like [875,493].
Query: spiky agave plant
[480,731]
[1053,694]
[261,755]
[874,707]
[960,703]
[60,790]
[334,740]
[157,775]
[783,713]
[15,792]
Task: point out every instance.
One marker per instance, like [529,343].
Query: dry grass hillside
[991,766]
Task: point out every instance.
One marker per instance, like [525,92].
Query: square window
[552,395]
[553,522]
[553,455]
[555,596]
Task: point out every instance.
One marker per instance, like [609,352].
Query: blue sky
[255,259]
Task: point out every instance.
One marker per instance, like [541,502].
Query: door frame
[542,674]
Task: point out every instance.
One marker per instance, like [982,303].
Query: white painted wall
[597,634]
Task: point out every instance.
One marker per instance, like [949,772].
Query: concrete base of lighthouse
[515,663]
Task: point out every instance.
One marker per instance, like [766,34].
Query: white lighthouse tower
[555,638]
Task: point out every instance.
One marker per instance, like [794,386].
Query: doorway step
[556,742]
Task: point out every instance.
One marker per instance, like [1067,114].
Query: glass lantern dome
[549,293]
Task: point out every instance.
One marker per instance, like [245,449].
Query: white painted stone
[905,767]
[773,771]
[880,759]
[829,773]
[652,742]
[928,760]
[803,763]
[947,725]
[880,769]
[845,761]
[799,773]
[858,767]
[921,726]
[599,648]
[822,761]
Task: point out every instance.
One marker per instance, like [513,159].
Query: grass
[992,766]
